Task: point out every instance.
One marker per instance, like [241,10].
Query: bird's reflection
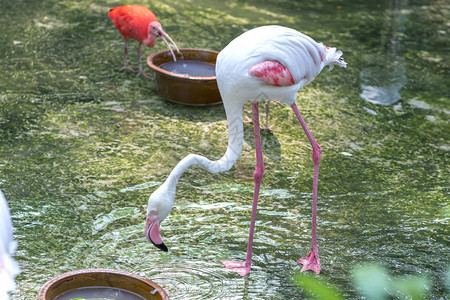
[385,74]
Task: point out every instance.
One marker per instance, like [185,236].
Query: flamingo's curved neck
[235,140]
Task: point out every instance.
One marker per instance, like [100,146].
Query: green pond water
[84,145]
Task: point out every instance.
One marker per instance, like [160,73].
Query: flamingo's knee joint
[317,154]
[258,174]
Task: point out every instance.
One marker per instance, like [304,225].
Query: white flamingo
[8,267]
[269,62]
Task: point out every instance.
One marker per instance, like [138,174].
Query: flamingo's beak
[152,231]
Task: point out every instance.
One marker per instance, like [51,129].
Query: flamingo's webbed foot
[239,267]
[311,262]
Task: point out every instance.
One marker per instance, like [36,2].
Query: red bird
[139,23]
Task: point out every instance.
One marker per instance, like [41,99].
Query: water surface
[84,145]
[98,293]
[190,68]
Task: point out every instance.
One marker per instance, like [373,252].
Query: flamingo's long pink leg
[258,175]
[311,261]
[244,268]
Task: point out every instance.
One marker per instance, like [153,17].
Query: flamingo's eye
[154,27]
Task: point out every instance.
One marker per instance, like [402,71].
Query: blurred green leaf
[316,287]
[411,288]
[371,281]
[447,279]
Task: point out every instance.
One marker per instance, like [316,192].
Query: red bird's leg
[244,268]
[141,71]
[126,66]
[268,128]
[267,116]
[311,261]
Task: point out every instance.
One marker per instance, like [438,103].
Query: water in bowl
[99,293]
[190,68]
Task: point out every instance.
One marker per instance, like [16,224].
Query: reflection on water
[386,80]
[190,68]
[83,146]
[102,221]
[384,74]
[98,293]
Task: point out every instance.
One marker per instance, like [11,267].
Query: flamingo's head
[333,57]
[159,206]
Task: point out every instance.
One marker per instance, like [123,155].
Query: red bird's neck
[150,41]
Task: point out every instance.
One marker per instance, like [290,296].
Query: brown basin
[104,278]
[185,89]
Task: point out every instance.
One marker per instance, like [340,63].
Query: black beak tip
[159,246]
[162,247]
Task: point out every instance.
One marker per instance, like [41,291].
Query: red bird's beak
[152,231]
[163,35]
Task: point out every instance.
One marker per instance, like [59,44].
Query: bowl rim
[160,70]
[63,276]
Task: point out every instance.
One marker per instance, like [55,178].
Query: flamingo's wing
[271,72]
[8,267]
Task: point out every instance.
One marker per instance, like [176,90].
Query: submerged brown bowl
[101,277]
[184,89]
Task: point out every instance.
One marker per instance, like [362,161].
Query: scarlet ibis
[269,62]
[139,23]
[8,267]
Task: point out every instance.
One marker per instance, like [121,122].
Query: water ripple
[194,280]
[104,220]
[141,186]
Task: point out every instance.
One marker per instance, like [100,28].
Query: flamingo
[266,128]
[139,23]
[8,267]
[268,62]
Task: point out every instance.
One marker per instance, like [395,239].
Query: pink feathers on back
[272,73]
